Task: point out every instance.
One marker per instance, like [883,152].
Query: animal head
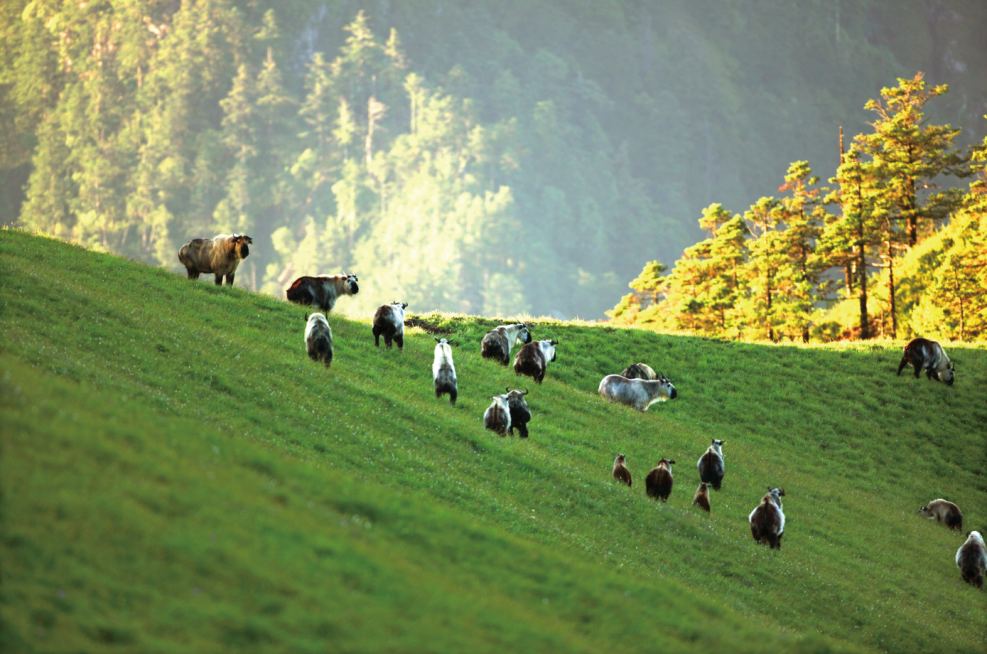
[703,485]
[666,463]
[947,374]
[776,493]
[398,308]
[924,510]
[240,243]
[667,389]
[317,317]
[524,334]
[515,397]
[717,445]
[975,536]
[548,347]
[351,284]
[444,341]
[620,459]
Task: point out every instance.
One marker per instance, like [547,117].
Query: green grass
[178,476]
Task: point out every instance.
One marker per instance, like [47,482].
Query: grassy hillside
[178,476]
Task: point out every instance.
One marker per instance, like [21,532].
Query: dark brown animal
[658,483]
[971,559]
[389,323]
[768,520]
[620,471]
[520,413]
[322,291]
[701,498]
[945,512]
[533,359]
[219,256]
[497,417]
[639,371]
[927,355]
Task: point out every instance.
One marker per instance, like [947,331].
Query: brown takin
[701,498]
[533,359]
[322,291]
[658,483]
[971,559]
[219,256]
[927,355]
[768,520]
[639,371]
[620,471]
[497,417]
[389,323]
[945,512]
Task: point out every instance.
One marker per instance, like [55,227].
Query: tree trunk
[894,312]
[862,269]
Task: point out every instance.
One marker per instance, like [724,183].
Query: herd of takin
[637,386]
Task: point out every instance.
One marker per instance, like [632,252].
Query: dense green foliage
[178,476]
[488,157]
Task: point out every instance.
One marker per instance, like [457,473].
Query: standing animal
[711,464]
[658,483]
[971,559]
[497,342]
[389,323]
[322,291]
[533,359]
[318,339]
[945,512]
[443,372]
[497,417]
[638,393]
[927,355]
[768,520]
[701,498]
[639,371]
[520,413]
[220,256]
[620,471]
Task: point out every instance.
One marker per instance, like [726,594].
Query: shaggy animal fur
[443,372]
[620,471]
[638,393]
[497,342]
[971,559]
[322,291]
[318,339]
[533,359]
[639,371]
[497,417]
[520,413]
[768,520]
[658,483]
[701,498]
[945,512]
[927,355]
[389,323]
[219,256]
[711,465]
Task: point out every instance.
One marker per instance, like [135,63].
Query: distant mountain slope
[178,476]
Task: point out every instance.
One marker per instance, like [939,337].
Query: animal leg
[452,397]
[523,430]
[376,337]
[328,359]
[399,339]
[387,341]
[901,366]
[229,279]
[192,273]
[928,373]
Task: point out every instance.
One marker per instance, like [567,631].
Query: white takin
[443,372]
[638,393]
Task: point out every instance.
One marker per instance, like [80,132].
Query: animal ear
[672,462]
[436,339]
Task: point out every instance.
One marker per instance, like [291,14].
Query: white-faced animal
[389,323]
[322,291]
[927,355]
[497,342]
[443,372]
[638,393]
[945,512]
[497,417]
[971,559]
[520,413]
[639,371]
[658,483]
[768,520]
[318,339]
[701,498]
[219,256]
[710,464]
[533,359]
[620,471]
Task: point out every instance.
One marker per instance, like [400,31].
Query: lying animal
[322,291]
[638,393]
[318,339]
[219,256]
[389,323]
[927,355]
[768,520]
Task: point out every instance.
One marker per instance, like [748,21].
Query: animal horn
[507,389]
[525,392]
[436,339]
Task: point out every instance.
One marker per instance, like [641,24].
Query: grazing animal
[927,355]
[318,339]
[322,291]
[658,483]
[945,512]
[520,413]
[701,498]
[620,471]
[220,256]
[389,323]
[639,371]
[711,464]
[443,372]
[638,393]
[768,520]
[533,359]
[971,559]
[497,342]
[497,417]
